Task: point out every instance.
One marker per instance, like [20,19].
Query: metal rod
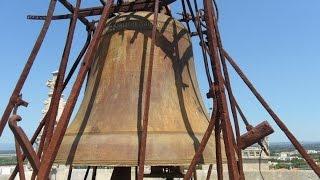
[121,173]
[59,84]
[19,161]
[59,87]
[218,149]
[248,125]
[227,84]
[139,5]
[274,116]
[55,17]
[191,10]
[227,130]
[87,172]
[220,93]
[195,5]
[43,136]
[243,117]
[61,127]
[185,14]
[77,61]
[69,6]
[195,177]
[204,52]
[197,24]
[232,105]
[102,2]
[143,142]
[168,10]
[94,172]
[209,172]
[27,67]
[70,172]
[203,143]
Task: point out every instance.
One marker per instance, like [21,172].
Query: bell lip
[132,160]
[135,163]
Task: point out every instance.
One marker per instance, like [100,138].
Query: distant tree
[282,166]
[8,161]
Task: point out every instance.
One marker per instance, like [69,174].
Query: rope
[260,158]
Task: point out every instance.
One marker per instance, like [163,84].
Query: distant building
[253,152]
[294,152]
[312,151]
[6,170]
[254,158]
[9,155]
[50,84]
[284,156]
[287,156]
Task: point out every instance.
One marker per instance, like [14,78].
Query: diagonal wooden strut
[58,89]
[27,67]
[274,116]
[59,85]
[232,102]
[50,154]
[221,99]
[221,96]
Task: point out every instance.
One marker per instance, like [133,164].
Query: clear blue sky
[275,42]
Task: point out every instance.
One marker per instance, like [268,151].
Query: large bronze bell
[107,127]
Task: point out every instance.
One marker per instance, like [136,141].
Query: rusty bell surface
[106,128]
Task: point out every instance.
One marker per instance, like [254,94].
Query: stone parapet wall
[103,174]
